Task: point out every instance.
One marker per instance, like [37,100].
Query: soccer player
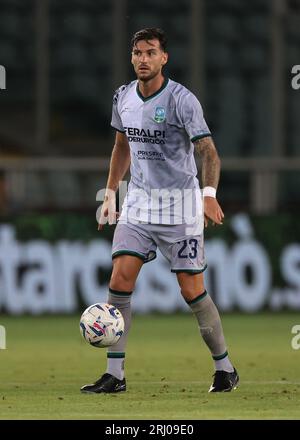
[159,123]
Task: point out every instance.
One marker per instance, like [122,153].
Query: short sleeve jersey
[160,130]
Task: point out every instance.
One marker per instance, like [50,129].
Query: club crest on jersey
[160,114]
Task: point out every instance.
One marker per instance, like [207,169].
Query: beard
[146,76]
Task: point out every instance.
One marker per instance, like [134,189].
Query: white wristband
[209,191]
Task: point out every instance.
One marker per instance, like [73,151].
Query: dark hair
[151,34]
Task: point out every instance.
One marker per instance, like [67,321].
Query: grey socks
[116,353]
[211,330]
[209,324]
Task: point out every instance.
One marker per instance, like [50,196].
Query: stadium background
[63,60]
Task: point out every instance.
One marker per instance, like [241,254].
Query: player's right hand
[108,212]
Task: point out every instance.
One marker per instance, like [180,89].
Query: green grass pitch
[168,370]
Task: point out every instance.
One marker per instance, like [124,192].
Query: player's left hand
[212,211]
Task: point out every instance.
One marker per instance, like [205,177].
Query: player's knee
[121,281]
[189,293]
[191,285]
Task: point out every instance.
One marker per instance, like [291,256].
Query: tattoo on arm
[211,163]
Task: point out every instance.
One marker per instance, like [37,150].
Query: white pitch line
[163,382]
[246,382]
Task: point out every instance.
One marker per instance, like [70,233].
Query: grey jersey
[160,130]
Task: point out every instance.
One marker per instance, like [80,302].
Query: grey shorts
[185,253]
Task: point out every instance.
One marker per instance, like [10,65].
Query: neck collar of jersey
[164,85]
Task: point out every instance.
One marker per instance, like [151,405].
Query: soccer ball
[102,325]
